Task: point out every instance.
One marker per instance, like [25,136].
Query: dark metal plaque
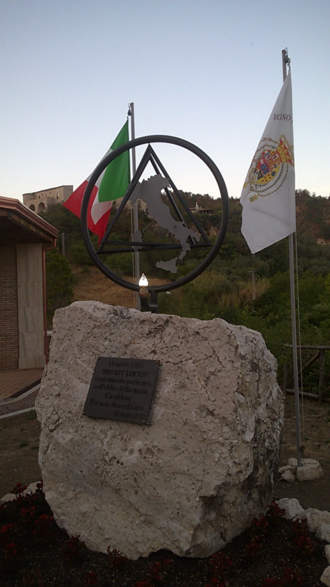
[122,389]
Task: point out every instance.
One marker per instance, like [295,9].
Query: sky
[207,71]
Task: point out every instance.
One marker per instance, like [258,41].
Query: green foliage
[70,238]
[226,288]
[58,282]
[120,263]
[64,220]
[78,253]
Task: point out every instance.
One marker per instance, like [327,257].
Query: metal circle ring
[224,217]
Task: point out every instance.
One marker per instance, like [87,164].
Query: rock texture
[206,465]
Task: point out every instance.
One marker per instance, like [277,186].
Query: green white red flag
[268,195]
[110,185]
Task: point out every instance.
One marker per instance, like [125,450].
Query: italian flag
[111,185]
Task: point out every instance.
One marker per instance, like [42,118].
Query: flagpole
[135,205]
[285,62]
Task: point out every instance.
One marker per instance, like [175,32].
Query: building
[24,238]
[39,201]
[199,210]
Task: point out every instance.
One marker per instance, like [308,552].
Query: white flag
[268,195]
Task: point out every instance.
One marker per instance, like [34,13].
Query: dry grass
[243,293]
[91,284]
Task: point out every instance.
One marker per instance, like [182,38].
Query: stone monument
[206,462]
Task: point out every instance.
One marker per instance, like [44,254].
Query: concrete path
[18,390]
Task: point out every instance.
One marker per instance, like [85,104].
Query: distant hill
[313,216]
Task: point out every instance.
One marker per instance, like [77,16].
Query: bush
[58,282]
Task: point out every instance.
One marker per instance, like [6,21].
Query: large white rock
[327,552]
[326,577]
[323,532]
[294,463]
[315,518]
[288,476]
[309,471]
[291,507]
[204,468]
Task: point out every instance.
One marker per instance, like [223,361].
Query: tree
[58,282]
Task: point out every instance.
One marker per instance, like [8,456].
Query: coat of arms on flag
[266,220]
[269,167]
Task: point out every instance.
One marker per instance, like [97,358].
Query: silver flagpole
[135,205]
[285,61]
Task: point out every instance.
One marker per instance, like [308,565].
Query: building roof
[18,224]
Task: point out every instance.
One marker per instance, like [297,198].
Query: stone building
[39,201]
[24,238]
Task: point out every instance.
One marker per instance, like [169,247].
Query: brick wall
[9,343]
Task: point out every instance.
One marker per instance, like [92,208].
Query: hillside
[91,284]
[313,216]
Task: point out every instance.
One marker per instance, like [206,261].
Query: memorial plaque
[122,389]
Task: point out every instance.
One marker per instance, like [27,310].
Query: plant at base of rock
[73,548]
[260,528]
[6,530]
[301,539]
[215,582]
[44,529]
[90,579]
[289,578]
[159,570]
[9,557]
[19,489]
[8,548]
[24,561]
[28,515]
[259,531]
[305,546]
[274,514]
[155,571]
[221,564]
[40,487]
[32,578]
[252,550]
[116,559]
